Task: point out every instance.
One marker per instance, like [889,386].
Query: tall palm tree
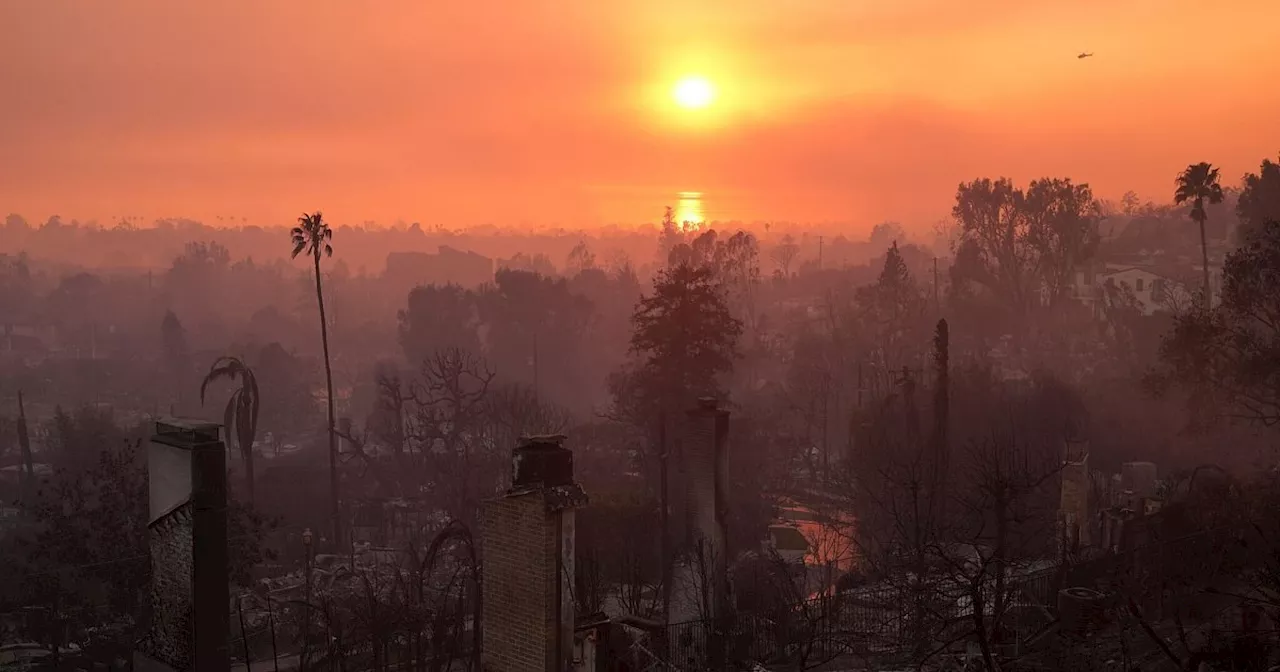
[1199,184]
[313,236]
[241,415]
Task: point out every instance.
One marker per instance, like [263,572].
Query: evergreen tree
[1259,201]
[685,336]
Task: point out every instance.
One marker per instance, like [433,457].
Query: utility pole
[836,395]
[826,423]
[535,365]
[859,386]
[819,253]
[855,419]
[937,305]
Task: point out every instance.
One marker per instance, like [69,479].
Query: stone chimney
[187,532]
[527,546]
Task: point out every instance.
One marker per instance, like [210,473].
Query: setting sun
[693,93]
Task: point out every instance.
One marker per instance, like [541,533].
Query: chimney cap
[543,441]
[186,432]
[541,462]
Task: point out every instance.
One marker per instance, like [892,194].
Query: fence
[888,620]
[817,629]
[387,637]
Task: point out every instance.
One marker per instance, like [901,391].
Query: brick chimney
[187,530]
[527,546]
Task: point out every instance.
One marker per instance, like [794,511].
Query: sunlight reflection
[689,210]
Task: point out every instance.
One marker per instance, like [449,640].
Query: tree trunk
[980,628]
[246,452]
[826,422]
[335,511]
[28,460]
[665,551]
[1204,257]
[1001,557]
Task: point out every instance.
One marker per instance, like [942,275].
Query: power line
[101,563]
[63,568]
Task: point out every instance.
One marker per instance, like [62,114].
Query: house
[788,542]
[1154,289]
[24,342]
[406,270]
[819,543]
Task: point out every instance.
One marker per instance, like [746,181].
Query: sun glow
[693,93]
[689,212]
[700,91]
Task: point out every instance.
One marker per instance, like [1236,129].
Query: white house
[1154,290]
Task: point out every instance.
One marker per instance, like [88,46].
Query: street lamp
[306,621]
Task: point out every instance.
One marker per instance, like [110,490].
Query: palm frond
[312,235]
[1183,194]
[1215,191]
[222,367]
[244,425]
[1197,184]
[253,400]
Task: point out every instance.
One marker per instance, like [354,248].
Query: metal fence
[394,641]
[887,620]
[868,621]
[821,628]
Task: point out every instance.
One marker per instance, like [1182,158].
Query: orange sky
[521,111]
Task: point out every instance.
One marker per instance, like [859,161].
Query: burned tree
[452,418]
[1004,527]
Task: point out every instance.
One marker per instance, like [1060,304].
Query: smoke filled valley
[743,444]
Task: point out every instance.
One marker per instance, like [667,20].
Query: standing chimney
[187,532]
[527,542]
[703,458]
[1140,477]
[703,461]
[1075,512]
